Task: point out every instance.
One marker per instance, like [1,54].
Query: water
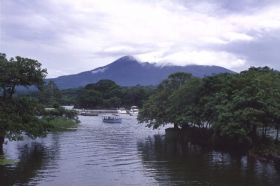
[126,154]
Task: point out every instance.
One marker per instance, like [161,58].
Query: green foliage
[105,86]
[245,101]
[135,95]
[19,116]
[19,71]
[183,101]
[235,106]
[60,124]
[90,98]
[4,161]
[22,115]
[107,94]
[160,108]
[70,96]
[59,112]
[50,94]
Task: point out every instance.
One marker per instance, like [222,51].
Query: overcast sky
[70,36]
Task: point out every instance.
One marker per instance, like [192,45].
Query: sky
[71,36]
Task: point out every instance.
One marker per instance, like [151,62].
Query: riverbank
[61,124]
[95,112]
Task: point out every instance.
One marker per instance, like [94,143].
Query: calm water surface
[97,154]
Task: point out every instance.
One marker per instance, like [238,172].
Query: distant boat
[68,107]
[122,111]
[88,113]
[134,110]
[112,119]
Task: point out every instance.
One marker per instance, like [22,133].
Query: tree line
[107,94]
[104,94]
[239,106]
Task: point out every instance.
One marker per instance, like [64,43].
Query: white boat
[112,119]
[122,111]
[134,110]
[87,113]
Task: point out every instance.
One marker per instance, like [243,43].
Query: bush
[60,124]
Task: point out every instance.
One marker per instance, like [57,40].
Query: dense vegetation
[59,118]
[24,115]
[50,94]
[104,94]
[239,108]
[18,115]
[107,94]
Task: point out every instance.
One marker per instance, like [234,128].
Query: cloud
[74,36]
[263,51]
[203,57]
[227,6]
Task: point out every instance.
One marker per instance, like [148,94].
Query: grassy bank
[61,124]
[4,161]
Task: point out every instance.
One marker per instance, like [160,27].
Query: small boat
[112,119]
[134,110]
[122,111]
[88,113]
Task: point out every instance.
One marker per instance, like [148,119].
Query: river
[99,154]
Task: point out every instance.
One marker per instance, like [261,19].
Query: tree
[107,94]
[50,94]
[234,106]
[184,108]
[135,95]
[237,105]
[103,94]
[18,115]
[158,110]
[89,99]
[19,71]
[104,85]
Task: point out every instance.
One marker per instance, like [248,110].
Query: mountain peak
[128,71]
[127,59]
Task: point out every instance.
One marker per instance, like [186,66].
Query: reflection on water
[35,161]
[173,163]
[126,154]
